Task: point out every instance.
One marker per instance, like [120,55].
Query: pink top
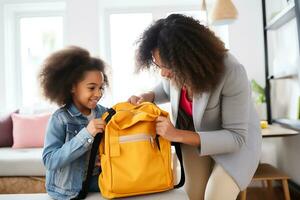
[185,103]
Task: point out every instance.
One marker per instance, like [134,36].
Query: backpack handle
[97,139]
[179,156]
[131,117]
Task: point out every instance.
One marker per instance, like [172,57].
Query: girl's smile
[88,91]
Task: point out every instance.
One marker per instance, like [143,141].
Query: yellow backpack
[134,160]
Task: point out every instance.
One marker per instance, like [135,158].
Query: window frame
[12,46]
[156,11]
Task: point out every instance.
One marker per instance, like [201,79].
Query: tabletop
[276,130]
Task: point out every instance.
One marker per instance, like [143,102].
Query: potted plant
[259,98]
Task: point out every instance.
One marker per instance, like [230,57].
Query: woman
[211,106]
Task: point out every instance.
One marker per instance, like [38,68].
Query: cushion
[6,138]
[29,130]
[21,162]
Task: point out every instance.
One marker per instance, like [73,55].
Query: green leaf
[259,91]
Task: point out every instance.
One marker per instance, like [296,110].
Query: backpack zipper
[137,138]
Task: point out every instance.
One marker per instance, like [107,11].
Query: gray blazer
[225,120]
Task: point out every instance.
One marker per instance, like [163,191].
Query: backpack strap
[179,156]
[85,184]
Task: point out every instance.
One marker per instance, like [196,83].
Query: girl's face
[164,71]
[88,91]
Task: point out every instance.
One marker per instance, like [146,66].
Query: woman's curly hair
[193,52]
[64,68]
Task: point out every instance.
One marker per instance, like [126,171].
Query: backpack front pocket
[140,167]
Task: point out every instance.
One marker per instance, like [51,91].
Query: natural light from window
[125,29]
[39,36]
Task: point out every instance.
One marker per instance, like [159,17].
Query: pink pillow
[29,130]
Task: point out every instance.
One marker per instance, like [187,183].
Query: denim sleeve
[57,151]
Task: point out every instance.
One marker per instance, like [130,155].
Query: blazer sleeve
[235,104]
[162,92]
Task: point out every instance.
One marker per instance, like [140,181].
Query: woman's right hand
[135,100]
[96,126]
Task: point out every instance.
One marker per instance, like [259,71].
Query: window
[39,37]
[124,81]
[31,32]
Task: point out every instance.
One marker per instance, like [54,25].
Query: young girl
[74,80]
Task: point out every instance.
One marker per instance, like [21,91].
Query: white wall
[2,72]
[81,24]
[153,3]
[246,38]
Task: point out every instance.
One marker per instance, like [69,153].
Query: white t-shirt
[91,115]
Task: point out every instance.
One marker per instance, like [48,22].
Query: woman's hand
[135,100]
[96,126]
[165,128]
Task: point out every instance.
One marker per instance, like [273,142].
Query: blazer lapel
[199,105]
[174,99]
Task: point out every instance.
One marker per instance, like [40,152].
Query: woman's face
[164,71]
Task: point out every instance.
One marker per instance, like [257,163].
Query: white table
[178,194]
[276,130]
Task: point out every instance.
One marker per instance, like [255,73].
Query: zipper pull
[152,141]
[157,142]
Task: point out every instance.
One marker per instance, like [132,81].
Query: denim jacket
[66,149]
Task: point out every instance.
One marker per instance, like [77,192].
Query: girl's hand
[135,100]
[96,126]
[165,128]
